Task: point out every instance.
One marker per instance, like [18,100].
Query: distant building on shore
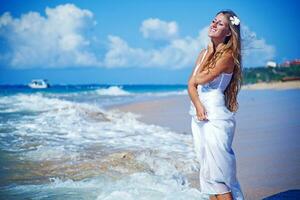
[287,63]
[271,64]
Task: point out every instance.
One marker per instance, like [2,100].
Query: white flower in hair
[234,20]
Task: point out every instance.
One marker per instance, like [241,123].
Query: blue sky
[134,41]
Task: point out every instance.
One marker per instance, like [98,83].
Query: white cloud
[154,28]
[178,53]
[256,52]
[56,40]
[120,54]
[61,39]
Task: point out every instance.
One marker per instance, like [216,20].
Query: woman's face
[219,28]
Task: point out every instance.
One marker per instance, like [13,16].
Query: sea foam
[76,141]
[112,91]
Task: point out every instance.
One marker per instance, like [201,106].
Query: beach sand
[273,85]
[266,141]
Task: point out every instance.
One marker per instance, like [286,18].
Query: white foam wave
[113,91]
[135,186]
[57,120]
[63,131]
[149,187]
[171,93]
[51,153]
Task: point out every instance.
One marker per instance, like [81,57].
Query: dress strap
[200,62]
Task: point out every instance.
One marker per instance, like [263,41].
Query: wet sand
[266,142]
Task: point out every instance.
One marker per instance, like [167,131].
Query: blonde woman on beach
[213,88]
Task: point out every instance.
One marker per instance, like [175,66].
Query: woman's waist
[213,101]
[213,111]
[211,97]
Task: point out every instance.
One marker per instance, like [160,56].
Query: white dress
[213,139]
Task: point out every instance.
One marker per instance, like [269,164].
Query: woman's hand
[201,113]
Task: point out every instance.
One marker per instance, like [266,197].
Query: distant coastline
[268,74]
[271,78]
[273,85]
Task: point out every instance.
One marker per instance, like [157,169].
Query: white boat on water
[38,83]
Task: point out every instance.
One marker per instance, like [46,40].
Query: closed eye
[218,22]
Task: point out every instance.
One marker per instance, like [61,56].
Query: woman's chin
[212,35]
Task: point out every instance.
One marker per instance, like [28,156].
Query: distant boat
[38,84]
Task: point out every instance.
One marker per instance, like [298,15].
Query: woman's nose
[214,24]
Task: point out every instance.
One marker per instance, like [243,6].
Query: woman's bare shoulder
[228,61]
[198,60]
[229,57]
[200,55]
[202,51]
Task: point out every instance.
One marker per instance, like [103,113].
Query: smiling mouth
[213,29]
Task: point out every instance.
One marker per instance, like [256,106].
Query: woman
[213,88]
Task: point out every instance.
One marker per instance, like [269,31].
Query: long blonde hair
[232,45]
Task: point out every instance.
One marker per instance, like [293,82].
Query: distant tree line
[269,74]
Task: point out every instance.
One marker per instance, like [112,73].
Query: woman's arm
[192,91]
[222,65]
[193,94]
[197,62]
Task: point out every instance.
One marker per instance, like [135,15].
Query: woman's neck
[216,44]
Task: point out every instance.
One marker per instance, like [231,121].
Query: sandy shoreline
[158,111]
[273,85]
[258,146]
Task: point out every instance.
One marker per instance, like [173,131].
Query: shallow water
[57,145]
